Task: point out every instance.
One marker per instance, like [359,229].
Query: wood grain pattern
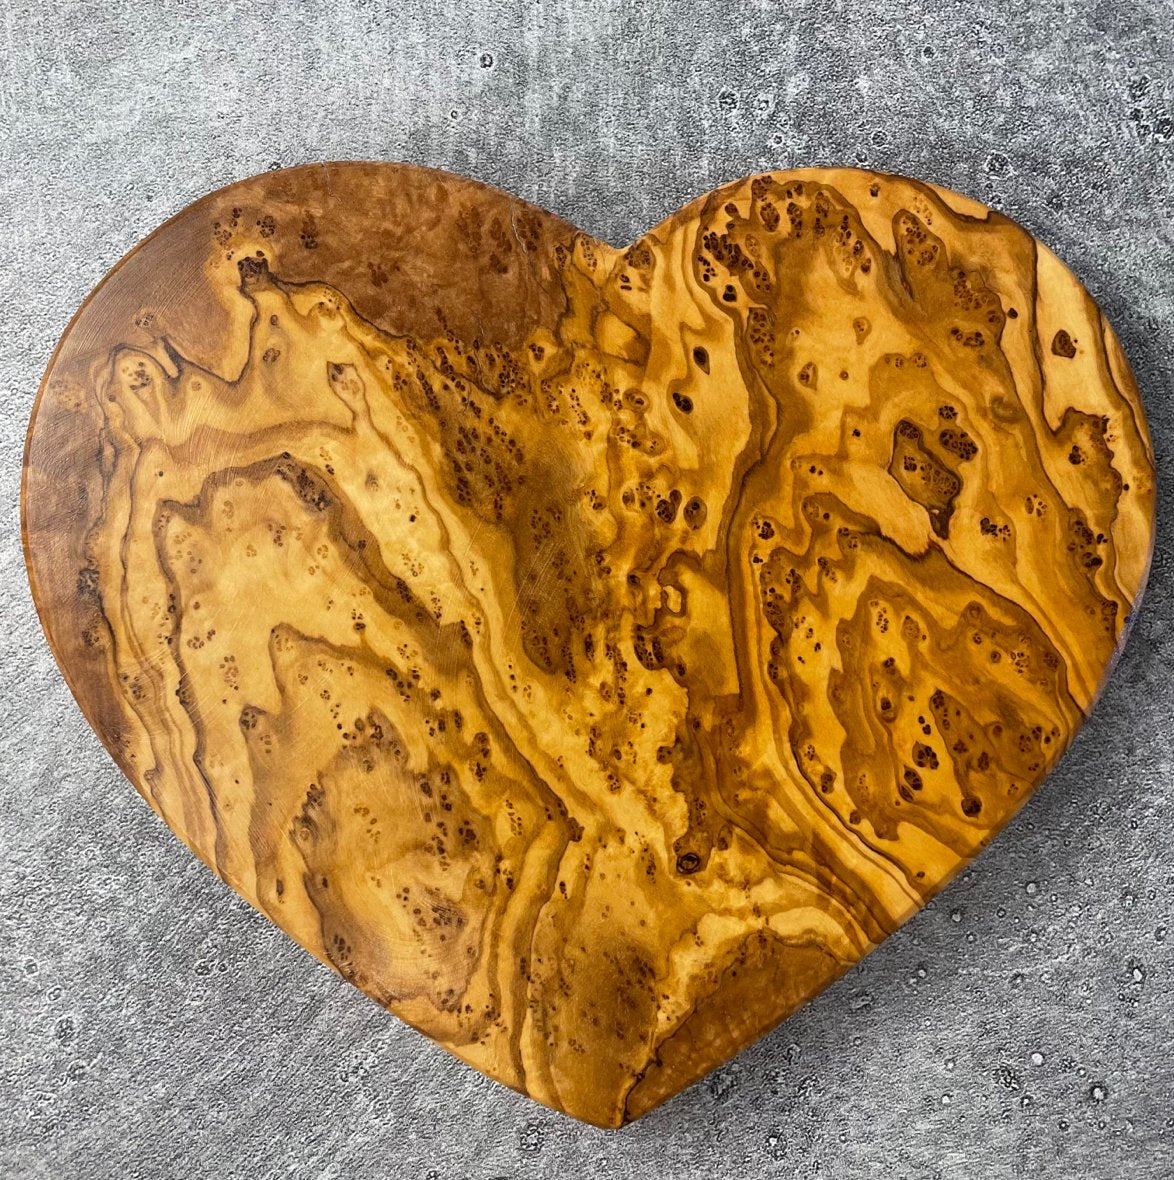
[589,653]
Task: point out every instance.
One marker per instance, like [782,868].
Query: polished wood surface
[589,653]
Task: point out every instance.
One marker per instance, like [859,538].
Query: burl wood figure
[589,653]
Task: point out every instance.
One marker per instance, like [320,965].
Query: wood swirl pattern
[589,653]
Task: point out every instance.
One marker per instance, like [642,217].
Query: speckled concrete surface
[153,1026]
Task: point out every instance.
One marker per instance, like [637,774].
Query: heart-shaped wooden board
[589,653]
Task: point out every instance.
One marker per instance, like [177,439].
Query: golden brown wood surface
[589,653]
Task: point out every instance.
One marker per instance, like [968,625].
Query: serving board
[589,653]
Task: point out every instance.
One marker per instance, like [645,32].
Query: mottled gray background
[152,1025]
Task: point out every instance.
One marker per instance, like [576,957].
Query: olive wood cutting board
[589,653]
